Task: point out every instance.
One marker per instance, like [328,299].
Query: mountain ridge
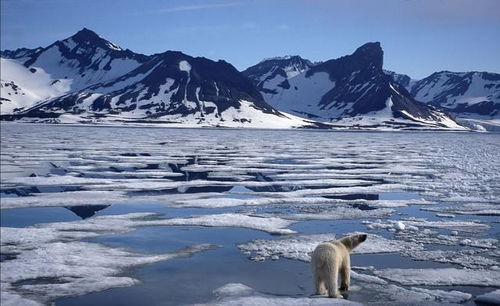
[88,77]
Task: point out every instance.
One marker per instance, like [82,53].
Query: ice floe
[272,225]
[239,294]
[481,209]
[75,268]
[413,224]
[337,213]
[52,251]
[299,247]
[442,277]
[467,258]
[492,297]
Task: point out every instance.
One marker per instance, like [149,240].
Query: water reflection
[86,211]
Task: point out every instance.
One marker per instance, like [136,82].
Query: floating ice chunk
[339,213]
[77,268]
[233,289]
[465,258]
[442,277]
[453,296]
[239,294]
[368,278]
[50,251]
[486,243]
[484,209]
[413,224]
[299,247]
[400,226]
[445,215]
[57,180]
[420,296]
[412,296]
[271,225]
[69,198]
[492,297]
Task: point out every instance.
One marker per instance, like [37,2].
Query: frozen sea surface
[156,216]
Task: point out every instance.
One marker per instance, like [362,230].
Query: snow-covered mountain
[352,90]
[471,94]
[277,69]
[86,78]
[465,94]
[29,76]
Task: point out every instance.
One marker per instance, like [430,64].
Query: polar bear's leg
[320,285]
[331,280]
[345,274]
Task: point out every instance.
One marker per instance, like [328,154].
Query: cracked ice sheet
[51,251]
[299,247]
[337,213]
[339,190]
[148,184]
[466,258]
[79,267]
[27,238]
[271,225]
[483,209]
[220,202]
[239,294]
[75,198]
[387,293]
[42,243]
[442,277]
[413,224]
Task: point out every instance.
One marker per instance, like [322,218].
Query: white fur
[331,258]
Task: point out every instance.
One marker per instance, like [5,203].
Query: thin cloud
[198,7]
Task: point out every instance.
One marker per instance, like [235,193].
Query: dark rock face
[358,86]
[364,66]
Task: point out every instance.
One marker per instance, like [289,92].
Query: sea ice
[482,209]
[466,258]
[492,297]
[272,225]
[299,247]
[442,277]
[239,294]
[413,224]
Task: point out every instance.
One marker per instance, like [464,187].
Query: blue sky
[418,36]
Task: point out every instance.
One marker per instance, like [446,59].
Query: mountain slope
[64,66]
[169,88]
[22,87]
[352,90]
[469,94]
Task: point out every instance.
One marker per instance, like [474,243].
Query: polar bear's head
[352,241]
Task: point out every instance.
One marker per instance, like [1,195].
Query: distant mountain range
[87,79]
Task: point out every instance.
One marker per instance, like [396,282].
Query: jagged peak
[86,35]
[371,52]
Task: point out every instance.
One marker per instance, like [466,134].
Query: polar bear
[328,259]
